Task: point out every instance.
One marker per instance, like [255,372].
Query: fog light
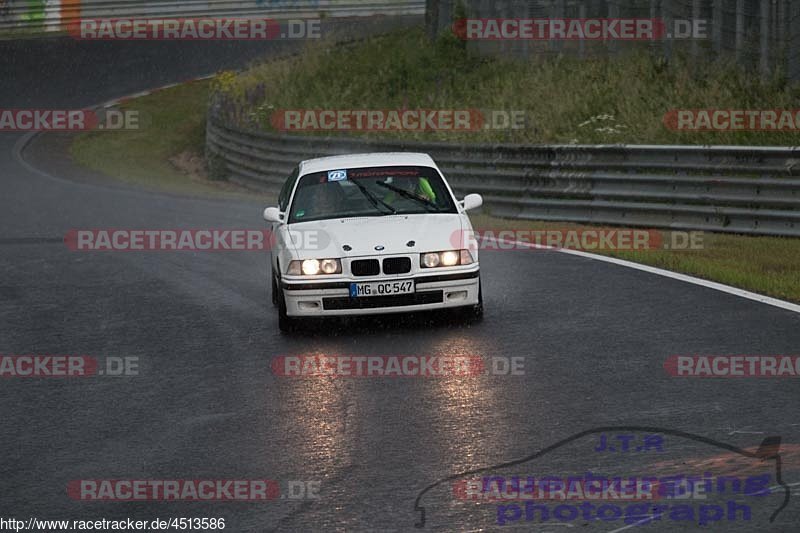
[457,295]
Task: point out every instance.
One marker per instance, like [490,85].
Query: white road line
[666,273]
[648,519]
[781,486]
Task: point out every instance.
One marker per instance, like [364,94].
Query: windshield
[370,191]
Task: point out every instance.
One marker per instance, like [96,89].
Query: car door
[279,232]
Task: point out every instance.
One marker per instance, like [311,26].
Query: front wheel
[472,313]
[285,322]
[275,289]
[477,309]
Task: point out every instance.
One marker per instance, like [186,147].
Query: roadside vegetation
[600,102]
[564,99]
[165,152]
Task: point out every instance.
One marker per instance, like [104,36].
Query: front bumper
[448,289]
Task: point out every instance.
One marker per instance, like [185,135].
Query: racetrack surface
[593,335]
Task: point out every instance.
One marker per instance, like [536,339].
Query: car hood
[392,232]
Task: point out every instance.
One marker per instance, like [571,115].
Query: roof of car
[379,159]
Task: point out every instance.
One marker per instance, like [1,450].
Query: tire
[274,292]
[470,314]
[477,309]
[285,323]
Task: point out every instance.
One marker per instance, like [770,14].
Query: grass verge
[171,126]
[564,99]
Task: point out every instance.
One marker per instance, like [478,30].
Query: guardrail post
[695,47]
[764,37]
[556,12]
[582,42]
[445,19]
[613,13]
[740,30]
[432,18]
[666,15]
[718,15]
[653,16]
[793,42]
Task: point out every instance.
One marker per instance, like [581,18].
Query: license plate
[381,288]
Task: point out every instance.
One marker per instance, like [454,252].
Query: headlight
[449,258]
[430,260]
[314,267]
[446,259]
[310,267]
[329,266]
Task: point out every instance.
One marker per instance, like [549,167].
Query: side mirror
[273,214]
[472,201]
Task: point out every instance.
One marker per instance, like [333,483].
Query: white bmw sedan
[371,234]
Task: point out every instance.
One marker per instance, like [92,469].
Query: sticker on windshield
[337,175]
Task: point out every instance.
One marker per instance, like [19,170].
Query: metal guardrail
[749,190]
[58,15]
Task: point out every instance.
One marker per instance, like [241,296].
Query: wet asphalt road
[206,405]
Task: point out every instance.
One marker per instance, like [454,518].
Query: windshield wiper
[373,200]
[430,206]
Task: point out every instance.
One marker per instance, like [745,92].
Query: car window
[371,191]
